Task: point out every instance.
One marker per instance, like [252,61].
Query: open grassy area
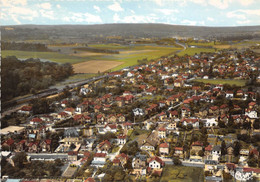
[193,51]
[52,56]
[129,55]
[222,81]
[181,173]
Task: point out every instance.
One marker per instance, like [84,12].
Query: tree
[237,147]
[223,148]
[193,152]
[20,159]
[201,153]
[176,161]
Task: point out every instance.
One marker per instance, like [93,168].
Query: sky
[175,12]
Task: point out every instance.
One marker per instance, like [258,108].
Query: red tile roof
[36,120]
[26,108]
[164,145]
[179,148]
[209,148]
[156,159]
[100,155]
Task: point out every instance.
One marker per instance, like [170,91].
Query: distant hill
[82,33]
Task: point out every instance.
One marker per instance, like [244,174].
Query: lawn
[222,81]
[182,173]
[193,51]
[115,149]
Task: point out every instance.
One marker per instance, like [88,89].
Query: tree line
[29,76]
[21,46]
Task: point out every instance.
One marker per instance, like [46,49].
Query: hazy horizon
[208,13]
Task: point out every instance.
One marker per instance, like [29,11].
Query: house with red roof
[21,146]
[70,110]
[155,163]
[33,147]
[45,145]
[121,139]
[99,159]
[110,128]
[8,145]
[104,147]
[164,149]
[120,160]
[162,133]
[25,110]
[63,115]
[196,147]
[36,121]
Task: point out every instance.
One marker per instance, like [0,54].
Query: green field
[182,173]
[128,54]
[193,51]
[222,81]
[52,56]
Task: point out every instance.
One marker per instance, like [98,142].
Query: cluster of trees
[108,51]
[24,168]
[24,46]
[23,77]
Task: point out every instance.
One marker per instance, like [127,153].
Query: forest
[29,76]
[24,46]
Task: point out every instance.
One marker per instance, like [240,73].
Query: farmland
[128,56]
[95,66]
[193,51]
[223,81]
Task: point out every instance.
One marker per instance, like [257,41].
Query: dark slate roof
[71,132]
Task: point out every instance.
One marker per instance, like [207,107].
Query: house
[214,110]
[139,165]
[155,163]
[46,145]
[89,179]
[100,119]
[104,147]
[25,110]
[110,128]
[149,145]
[120,101]
[185,112]
[229,94]
[196,147]
[33,147]
[127,125]
[178,151]
[121,139]
[21,146]
[208,150]
[120,160]
[164,149]
[216,150]
[99,159]
[69,111]
[112,118]
[190,121]
[63,115]
[210,122]
[36,121]
[72,156]
[162,132]
[8,145]
[121,118]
